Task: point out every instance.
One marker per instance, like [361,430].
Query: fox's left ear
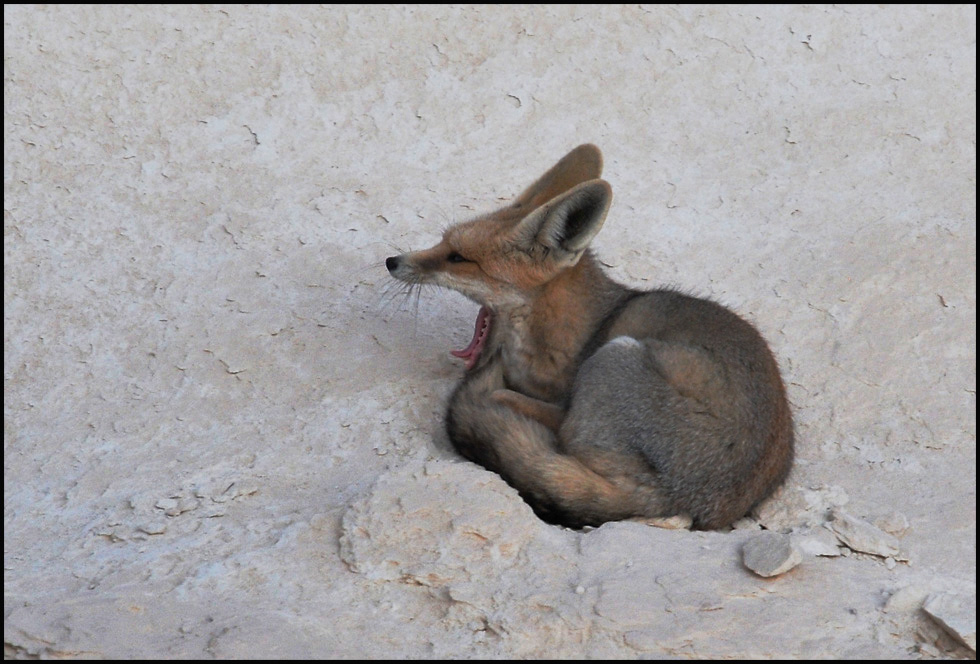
[582,164]
[566,224]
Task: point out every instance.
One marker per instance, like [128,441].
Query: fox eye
[456,258]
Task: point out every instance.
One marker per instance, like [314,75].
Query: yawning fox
[595,401]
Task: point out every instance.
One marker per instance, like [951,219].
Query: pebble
[771,554]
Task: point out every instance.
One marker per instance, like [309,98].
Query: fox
[595,401]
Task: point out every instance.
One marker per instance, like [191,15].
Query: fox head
[499,260]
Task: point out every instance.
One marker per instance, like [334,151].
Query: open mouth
[472,353]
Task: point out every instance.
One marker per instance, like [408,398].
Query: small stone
[579,590]
[957,614]
[890,562]
[860,535]
[771,554]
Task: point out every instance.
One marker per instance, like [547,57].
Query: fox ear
[566,224]
[582,164]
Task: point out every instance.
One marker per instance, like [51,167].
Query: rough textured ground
[222,423]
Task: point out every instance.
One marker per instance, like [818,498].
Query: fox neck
[542,339]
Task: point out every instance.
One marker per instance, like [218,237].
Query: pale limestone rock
[795,506]
[442,523]
[907,598]
[817,542]
[957,614]
[859,535]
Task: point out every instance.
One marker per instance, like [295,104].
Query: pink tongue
[472,352]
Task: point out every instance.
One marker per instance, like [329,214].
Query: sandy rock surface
[223,422]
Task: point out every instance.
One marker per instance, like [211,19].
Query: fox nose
[391,263]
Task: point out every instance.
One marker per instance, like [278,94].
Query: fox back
[599,402]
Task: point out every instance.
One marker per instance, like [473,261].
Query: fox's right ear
[582,164]
[564,226]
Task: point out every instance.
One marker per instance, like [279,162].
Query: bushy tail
[559,487]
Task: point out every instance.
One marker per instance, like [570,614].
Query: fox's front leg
[485,386]
[470,420]
[546,413]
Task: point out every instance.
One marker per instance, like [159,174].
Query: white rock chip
[957,614]
[859,535]
[771,554]
[817,542]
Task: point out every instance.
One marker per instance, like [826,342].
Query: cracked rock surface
[223,422]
